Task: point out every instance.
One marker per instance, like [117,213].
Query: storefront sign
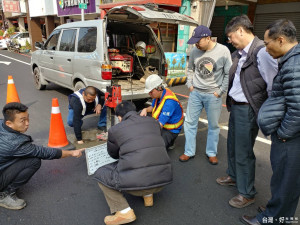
[82,6]
[11,6]
[71,7]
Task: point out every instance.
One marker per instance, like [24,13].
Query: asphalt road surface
[61,192]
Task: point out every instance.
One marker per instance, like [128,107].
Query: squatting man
[20,159]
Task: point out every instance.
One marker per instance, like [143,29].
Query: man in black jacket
[143,168]
[250,81]
[19,158]
[84,102]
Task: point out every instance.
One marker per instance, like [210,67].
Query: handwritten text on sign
[97,157]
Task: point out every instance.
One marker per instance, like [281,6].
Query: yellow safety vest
[157,109]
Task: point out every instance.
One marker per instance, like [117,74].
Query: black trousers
[285,181]
[168,137]
[18,174]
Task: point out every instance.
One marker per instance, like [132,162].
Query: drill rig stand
[112,98]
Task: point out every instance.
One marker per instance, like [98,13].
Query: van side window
[67,41]
[87,39]
[51,43]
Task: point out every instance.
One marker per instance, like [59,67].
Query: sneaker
[11,201]
[148,200]
[120,218]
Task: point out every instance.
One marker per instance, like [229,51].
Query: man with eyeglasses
[165,108]
[280,117]
[207,80]
[250,81]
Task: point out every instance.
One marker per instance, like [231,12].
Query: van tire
[79,85]
[37,79]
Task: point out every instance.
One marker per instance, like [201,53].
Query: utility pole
[3,17]
[34,27]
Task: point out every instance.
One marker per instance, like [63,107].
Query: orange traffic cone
[57,133]
[12,94]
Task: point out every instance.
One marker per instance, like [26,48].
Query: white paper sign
[97,157]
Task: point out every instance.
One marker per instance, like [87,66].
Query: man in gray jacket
[19,158]
[143,165]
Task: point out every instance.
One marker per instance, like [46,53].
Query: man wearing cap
[207,80]
[165,108]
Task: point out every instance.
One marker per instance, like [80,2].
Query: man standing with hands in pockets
[208,70]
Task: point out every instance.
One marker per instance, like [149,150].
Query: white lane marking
[200,119]
[7,63]
[263,140]
[15,59]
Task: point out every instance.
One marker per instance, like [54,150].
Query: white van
[21,38]
[102,52]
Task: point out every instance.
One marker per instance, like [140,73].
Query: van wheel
[79,85]
[37,79]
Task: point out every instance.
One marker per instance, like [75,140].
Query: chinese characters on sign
[70,7]
[287,220]
[97,157]
[70,3]
[11,6]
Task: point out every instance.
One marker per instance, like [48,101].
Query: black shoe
[103,129]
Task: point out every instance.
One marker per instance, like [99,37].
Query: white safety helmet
[153,81]
[140,44]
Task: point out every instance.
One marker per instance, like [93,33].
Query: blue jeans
[213,106]
[101,122]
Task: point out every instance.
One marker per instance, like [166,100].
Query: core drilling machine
[112,98]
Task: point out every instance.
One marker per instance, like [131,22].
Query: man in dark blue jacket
[84,102]
[143,165]
[279,117]
[19,157]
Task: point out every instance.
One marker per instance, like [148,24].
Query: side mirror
[39,45]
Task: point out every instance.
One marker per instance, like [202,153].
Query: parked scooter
[13,46]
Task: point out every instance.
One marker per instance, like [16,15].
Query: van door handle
[51,57]
[69,60]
